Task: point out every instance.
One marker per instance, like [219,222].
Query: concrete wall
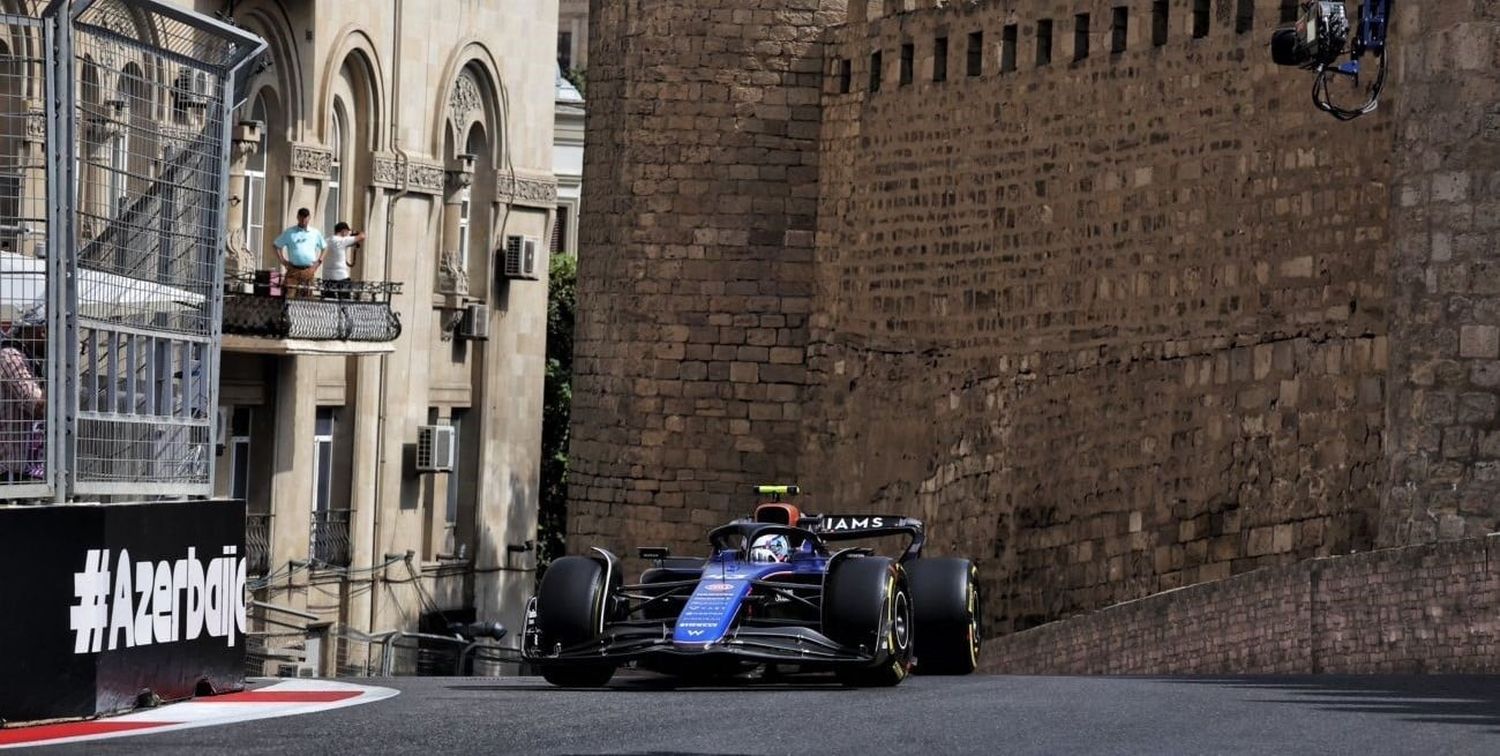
[1418,609]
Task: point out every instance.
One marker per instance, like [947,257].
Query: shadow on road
[667,684]
[1461,700]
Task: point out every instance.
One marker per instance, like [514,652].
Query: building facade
[391,470]
[573,35]
[567,163]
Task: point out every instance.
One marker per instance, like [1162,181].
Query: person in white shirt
[339,260]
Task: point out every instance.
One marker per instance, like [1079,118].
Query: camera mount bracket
[1318,39]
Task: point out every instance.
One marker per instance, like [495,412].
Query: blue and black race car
[771,593]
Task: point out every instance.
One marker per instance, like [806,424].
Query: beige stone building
[391,472]
[573,34]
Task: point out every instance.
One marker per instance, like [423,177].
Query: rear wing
[843,527]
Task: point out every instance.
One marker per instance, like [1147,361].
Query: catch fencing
[114,138]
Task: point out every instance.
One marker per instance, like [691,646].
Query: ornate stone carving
[386,171]
[465,104]
[453,277]
[175,139]
[460,177]
[459,181]
[114,17]
[425,177]
[310,161]
[36,125]
[238,258]
[246,141]
[421,176]
[109,54]
[525,190]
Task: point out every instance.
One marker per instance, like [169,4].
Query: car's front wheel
[571,607]
[866,605]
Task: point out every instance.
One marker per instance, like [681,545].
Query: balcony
[330,537]
[257,543]
[263,315]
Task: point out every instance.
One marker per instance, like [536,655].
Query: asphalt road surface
[986,715]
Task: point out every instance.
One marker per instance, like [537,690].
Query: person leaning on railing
[300,249]
[340,257]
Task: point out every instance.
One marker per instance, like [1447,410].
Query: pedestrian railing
[330,537]
[265,305]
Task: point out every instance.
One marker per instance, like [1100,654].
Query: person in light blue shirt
[300,248]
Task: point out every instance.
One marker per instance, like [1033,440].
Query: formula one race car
[771,594]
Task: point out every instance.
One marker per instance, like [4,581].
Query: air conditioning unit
[193,87]
[296,670]
[435,448]
[476,323]
[520,257]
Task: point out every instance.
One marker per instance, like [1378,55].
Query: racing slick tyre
[570,609]
[866,604]
[945,603]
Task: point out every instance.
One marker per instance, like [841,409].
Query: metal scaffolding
[114,137]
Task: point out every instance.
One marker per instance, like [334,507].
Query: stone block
[1479,341]
[744,372]
[1475,408]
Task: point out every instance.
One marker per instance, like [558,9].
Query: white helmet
[770,548]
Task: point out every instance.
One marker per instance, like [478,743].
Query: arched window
[473,146]
[136,104]
[255,184]
[334,207]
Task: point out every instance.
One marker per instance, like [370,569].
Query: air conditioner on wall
[192,87]
[520,257]
[476,323]
[296,670]
[435,448]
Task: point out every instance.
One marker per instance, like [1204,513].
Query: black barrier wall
[101,603]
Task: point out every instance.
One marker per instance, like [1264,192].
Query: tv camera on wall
[1321,36]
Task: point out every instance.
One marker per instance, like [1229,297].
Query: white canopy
[23,292]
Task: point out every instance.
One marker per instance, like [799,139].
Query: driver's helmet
[770,548]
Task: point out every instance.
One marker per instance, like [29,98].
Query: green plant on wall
[577,78]
[552,518]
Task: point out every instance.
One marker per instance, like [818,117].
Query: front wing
[632,640]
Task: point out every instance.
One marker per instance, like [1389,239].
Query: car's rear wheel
[866,605]
[571,606]
[945,597]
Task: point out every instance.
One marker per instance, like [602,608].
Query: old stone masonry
[1090,287]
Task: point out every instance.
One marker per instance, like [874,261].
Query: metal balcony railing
[262,304]
[330,537]
[257,543]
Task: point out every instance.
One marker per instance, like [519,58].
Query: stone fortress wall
[1112,323]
